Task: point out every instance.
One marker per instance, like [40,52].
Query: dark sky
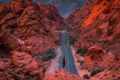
[65,7]
[4,1]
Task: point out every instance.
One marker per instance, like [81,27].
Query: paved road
[64,56]
[67,52]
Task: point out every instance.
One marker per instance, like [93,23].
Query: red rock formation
[25,61]
[102,20]
[97,23]
[24,22]
[26,29]
[62,75]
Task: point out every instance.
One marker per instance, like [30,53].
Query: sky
[4,1]
[65,7]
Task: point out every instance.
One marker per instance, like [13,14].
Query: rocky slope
[96,31]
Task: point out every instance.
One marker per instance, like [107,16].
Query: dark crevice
[4,50]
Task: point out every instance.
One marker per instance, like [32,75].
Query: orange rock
[32,67]
[20,58]
[95,12]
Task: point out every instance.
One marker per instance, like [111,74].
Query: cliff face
[26,29]
[98,23]
[23,21]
